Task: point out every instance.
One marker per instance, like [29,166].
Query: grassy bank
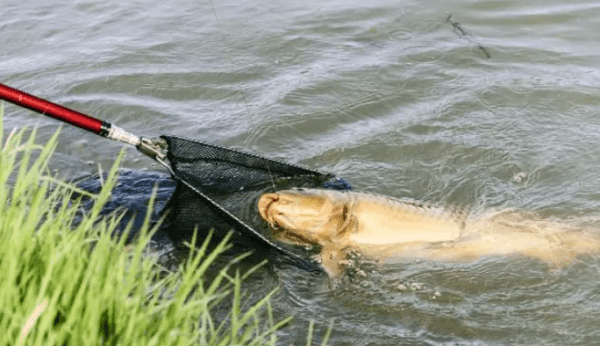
[65,285]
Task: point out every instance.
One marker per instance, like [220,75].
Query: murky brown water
[388,95]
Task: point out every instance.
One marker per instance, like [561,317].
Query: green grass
[76,285]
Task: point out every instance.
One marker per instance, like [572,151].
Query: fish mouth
[264,204]
[277,220]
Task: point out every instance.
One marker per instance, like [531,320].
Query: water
[388,95]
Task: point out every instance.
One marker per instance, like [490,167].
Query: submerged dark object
[131,196]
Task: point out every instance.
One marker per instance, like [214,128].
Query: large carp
[385,227]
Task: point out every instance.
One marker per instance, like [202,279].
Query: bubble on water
[415,286]
[519,177]
[347,263]
[316,259]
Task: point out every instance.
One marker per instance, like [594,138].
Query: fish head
[307,215]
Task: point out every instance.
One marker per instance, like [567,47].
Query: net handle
[54,110]
[75,118]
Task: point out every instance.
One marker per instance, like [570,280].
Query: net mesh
[218,189]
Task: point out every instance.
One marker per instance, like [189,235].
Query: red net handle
[53,110]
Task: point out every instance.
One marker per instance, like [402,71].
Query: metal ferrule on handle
[118,134]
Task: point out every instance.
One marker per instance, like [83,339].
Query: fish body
[319,216]
[384,227]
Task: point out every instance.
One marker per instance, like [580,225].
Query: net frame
[211,179]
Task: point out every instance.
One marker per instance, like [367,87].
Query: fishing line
[230,60]
[462,33]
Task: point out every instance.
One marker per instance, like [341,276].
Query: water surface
[392,96]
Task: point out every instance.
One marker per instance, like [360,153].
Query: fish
[382,227]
